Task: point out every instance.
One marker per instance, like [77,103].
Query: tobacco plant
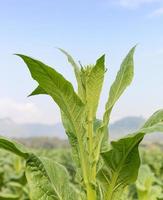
[103,167]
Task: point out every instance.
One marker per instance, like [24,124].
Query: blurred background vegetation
[13,184]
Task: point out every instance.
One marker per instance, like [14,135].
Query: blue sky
[86,29]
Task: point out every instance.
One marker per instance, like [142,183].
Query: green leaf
[155,118]
[38,91]
[68,129]
[123,79]
[48,180]
[93,90]
[59,177]
[94,84]
[123,155]
[76,71]
[62,92]
[58,88]
[99,139]
[73,140]
[114,176]
[13,147]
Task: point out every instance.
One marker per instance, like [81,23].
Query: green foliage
[103,168]
[146,187]
[150,155]
[13,183]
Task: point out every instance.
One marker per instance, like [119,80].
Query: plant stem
[91,192]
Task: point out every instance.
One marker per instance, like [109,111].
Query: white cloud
[136,3]
[156,13]
[20,112]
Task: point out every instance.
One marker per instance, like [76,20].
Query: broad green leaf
[114,176]
[62,92]
[123,155]
[59,89]
[59,177]
[39,181]
[76,71]
[13,147]
[48,180]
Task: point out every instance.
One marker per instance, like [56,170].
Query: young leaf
[123,79]
[76,71]
[94,85]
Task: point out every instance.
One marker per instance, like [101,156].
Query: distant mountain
[126,125]
[9,128]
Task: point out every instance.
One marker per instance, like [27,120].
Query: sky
[86,29]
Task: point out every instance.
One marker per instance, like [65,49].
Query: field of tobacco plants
[149,185]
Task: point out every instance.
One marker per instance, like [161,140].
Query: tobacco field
[149,185]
